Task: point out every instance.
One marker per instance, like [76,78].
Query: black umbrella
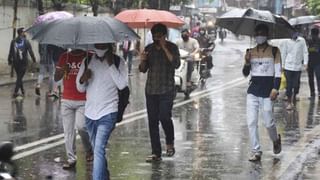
[244,21]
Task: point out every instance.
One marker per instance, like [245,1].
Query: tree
[95,6]
[314,6]
[58,5]
[40,7]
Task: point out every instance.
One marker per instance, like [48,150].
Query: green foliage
[314,6]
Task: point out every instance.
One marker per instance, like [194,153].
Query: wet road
[211,133]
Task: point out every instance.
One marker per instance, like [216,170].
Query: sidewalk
[6,80]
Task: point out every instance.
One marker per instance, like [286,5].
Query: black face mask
[185,38]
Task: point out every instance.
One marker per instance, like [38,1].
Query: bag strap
[274,51]
[116,61]
[87,61]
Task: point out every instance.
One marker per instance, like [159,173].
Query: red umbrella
[317,25]
[146,18]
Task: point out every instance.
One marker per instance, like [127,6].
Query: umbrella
[304,20]
[50,16]
[244,21]
[82,31]
[46,18]
[146,18]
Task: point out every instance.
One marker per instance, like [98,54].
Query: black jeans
[190,69]
[314,69]
[293,80]
[20,71]
[159,109]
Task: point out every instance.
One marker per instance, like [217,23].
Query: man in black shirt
[314,61]
[18,58]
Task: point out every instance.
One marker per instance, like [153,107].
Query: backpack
[123,94]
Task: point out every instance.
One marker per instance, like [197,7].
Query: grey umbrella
[243,21]
[81,31]
[304,20]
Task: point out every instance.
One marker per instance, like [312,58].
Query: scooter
[180,77]
[205,54]
[7,167]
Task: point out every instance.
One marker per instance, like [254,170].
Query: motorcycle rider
[190,45]
[206,47]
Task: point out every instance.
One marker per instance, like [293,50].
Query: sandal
[171,152]
[69,166]
[153,158]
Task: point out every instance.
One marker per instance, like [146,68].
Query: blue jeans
[99,133]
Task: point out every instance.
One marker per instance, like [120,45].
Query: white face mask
[100,52]
[261,39]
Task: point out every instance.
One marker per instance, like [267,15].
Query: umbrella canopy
[146,18]
[50,16]
[83,30]
[244,21]
[304,20]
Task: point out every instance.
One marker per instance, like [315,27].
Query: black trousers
[293,81]
[314,70]
[20,72]
[159,108]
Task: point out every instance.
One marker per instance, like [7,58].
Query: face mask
[201,32]
[100,52]
[295,35]
[261,39]
[185,38]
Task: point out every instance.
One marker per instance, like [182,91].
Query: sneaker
[89,156]
[37,91]
[15,95]
[153,158]
[277,145]
[255,157]
[69,165]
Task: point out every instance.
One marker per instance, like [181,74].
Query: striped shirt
[265,70]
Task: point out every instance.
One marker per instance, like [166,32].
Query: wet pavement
[210,131]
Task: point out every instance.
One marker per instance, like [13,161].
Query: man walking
[127,50]
[295,57]
[160,59]
[101,79]
[314,61]
[72,106]
[46,65]
[18,58]
[263,62]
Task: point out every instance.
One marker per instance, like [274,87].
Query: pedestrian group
[92,80]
